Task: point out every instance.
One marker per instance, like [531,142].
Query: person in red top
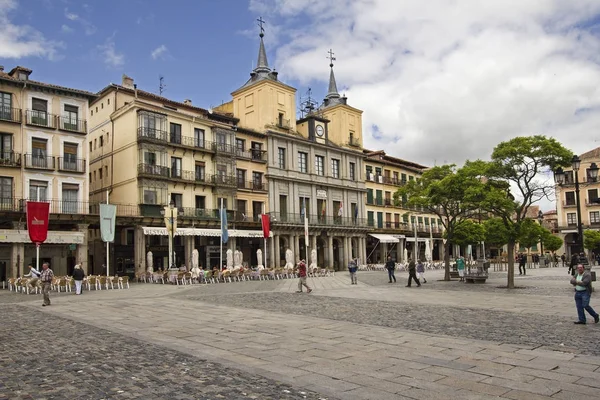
[302,277]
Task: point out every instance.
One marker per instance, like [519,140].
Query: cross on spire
[331,57]
[260,24]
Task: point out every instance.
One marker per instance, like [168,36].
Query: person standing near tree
[522,262]
[46,278]
[460,266]
[390,265]
[583,291]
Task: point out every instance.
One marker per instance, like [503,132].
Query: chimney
[187,102]
[127,82]
[135,89]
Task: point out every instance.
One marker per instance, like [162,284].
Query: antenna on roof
[161,84]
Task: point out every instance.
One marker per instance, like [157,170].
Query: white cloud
[19,41]
[87,26]
[66,29]
[446,81]
[160,52]
[111,57]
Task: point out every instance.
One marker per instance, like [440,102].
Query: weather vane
[260,24]
[331,57]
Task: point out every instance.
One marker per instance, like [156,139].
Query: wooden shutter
[70,148]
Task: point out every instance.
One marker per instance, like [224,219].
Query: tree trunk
[511,265]
[447,260]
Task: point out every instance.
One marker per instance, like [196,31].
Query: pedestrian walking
[78,276]
[522,262]
[573,264]
[390,266]
[583,292]
[564,259]
[46,277]
[34,274]
[421,271]
[412,273]
[353,267]
[302,277]
[460,266]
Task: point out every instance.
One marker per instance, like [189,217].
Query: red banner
[266,225]
[38,214]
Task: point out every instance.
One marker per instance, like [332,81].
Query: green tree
[551,243]
[591,239]
[496,232]
[514,183]
[441,191]
[467,232]
[530,233]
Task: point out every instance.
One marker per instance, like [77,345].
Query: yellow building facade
[43,157]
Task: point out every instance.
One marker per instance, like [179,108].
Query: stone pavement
[445,340]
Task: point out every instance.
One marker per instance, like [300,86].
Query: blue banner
[224,232]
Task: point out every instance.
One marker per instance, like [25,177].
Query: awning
[203,232]
[384,238]
[422,240]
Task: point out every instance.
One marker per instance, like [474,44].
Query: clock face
[320,130]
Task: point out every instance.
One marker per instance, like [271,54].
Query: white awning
[384,238]
[203,232]
[422,240]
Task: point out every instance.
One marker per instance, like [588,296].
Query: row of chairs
[400,266]
[67,284]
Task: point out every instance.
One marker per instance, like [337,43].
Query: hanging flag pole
[305,229]
[107,248]
[221,252]
[108,216]
[224,232]
[266,226]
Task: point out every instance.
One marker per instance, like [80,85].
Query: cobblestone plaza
[260,340]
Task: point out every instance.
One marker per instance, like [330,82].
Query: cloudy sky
[439,81]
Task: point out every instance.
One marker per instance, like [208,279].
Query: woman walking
[421,271]
[78,276]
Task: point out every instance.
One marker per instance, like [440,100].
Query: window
[569,198]
[69,198]
[351,139]
[5,146]
[37,190]
[90,146]
[5,106]
[199,137]
[39,153]
[221,173]
[241,208]
[302,160]
[256,151]
[369,196]
[388,198]
[100,173]
[257,209]
[593,196]
[108,102]
[379,197]
[403,179]
[240,145]
[368,170]
[70,118]
[257,181]
[281,157]
[240,175]
[199,171]
[283,207]
[90,176]
[396,220]
[6,191]
[370,218]
[411,178]
[571,219]
[377,171]
[95,143]
[380,220]
[388,220]
[177,199]
[335,168]
[221,142]
[588,176]
[304,202]
[39,112]
[102,106]
[70,156]
[395,179]
[101,141]
[106,171]
[175,167]
[200,202]
[352,171]
[150,196]
[92,112]
[595,217]
[175,133]
[224,202]
[150,158]
[319,167]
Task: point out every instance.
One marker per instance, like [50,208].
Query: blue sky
[204,49]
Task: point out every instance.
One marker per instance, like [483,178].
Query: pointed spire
[262,65]
[332,93]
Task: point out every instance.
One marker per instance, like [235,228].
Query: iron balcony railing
[152,134]
[224,148]
[10,159]
[10,114]
[252,154]
[224,180]
[72,124]
[252,185]
[317,220]
[41,118]
[567,204]
[153,170]
[39,162]
[191,142]
[68,164]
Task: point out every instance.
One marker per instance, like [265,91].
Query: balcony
[224,180]
[41,118]
[10,159]
[252,154]
[154,170]
[592,202]
[317,220]
[71,164]
[283,123]
[72,124]
[10,114]
[569,204]
[152,135]
[39,162]
[353,142]
[388,202]
[224,148]
[255,186]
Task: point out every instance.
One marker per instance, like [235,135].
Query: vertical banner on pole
[266,227]
[38,216]
[108,217]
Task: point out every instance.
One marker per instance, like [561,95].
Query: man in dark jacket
[522,262]
[390,266]
[78,276]
[583,291]
[573,264]
[412,273]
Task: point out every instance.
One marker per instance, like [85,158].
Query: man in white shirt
[34,274]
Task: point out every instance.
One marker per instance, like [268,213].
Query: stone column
[139,250]
[400,251]
[383,252]
[188,247]
[271,244]
[17,261]
[330,252]
[345,253]
[313,245]
[81,256]
[277,249]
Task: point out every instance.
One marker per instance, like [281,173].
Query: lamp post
[559,176]
[170,222]
[540,218]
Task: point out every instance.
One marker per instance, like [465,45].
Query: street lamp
[559,177]
[540,218]
[171,223]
